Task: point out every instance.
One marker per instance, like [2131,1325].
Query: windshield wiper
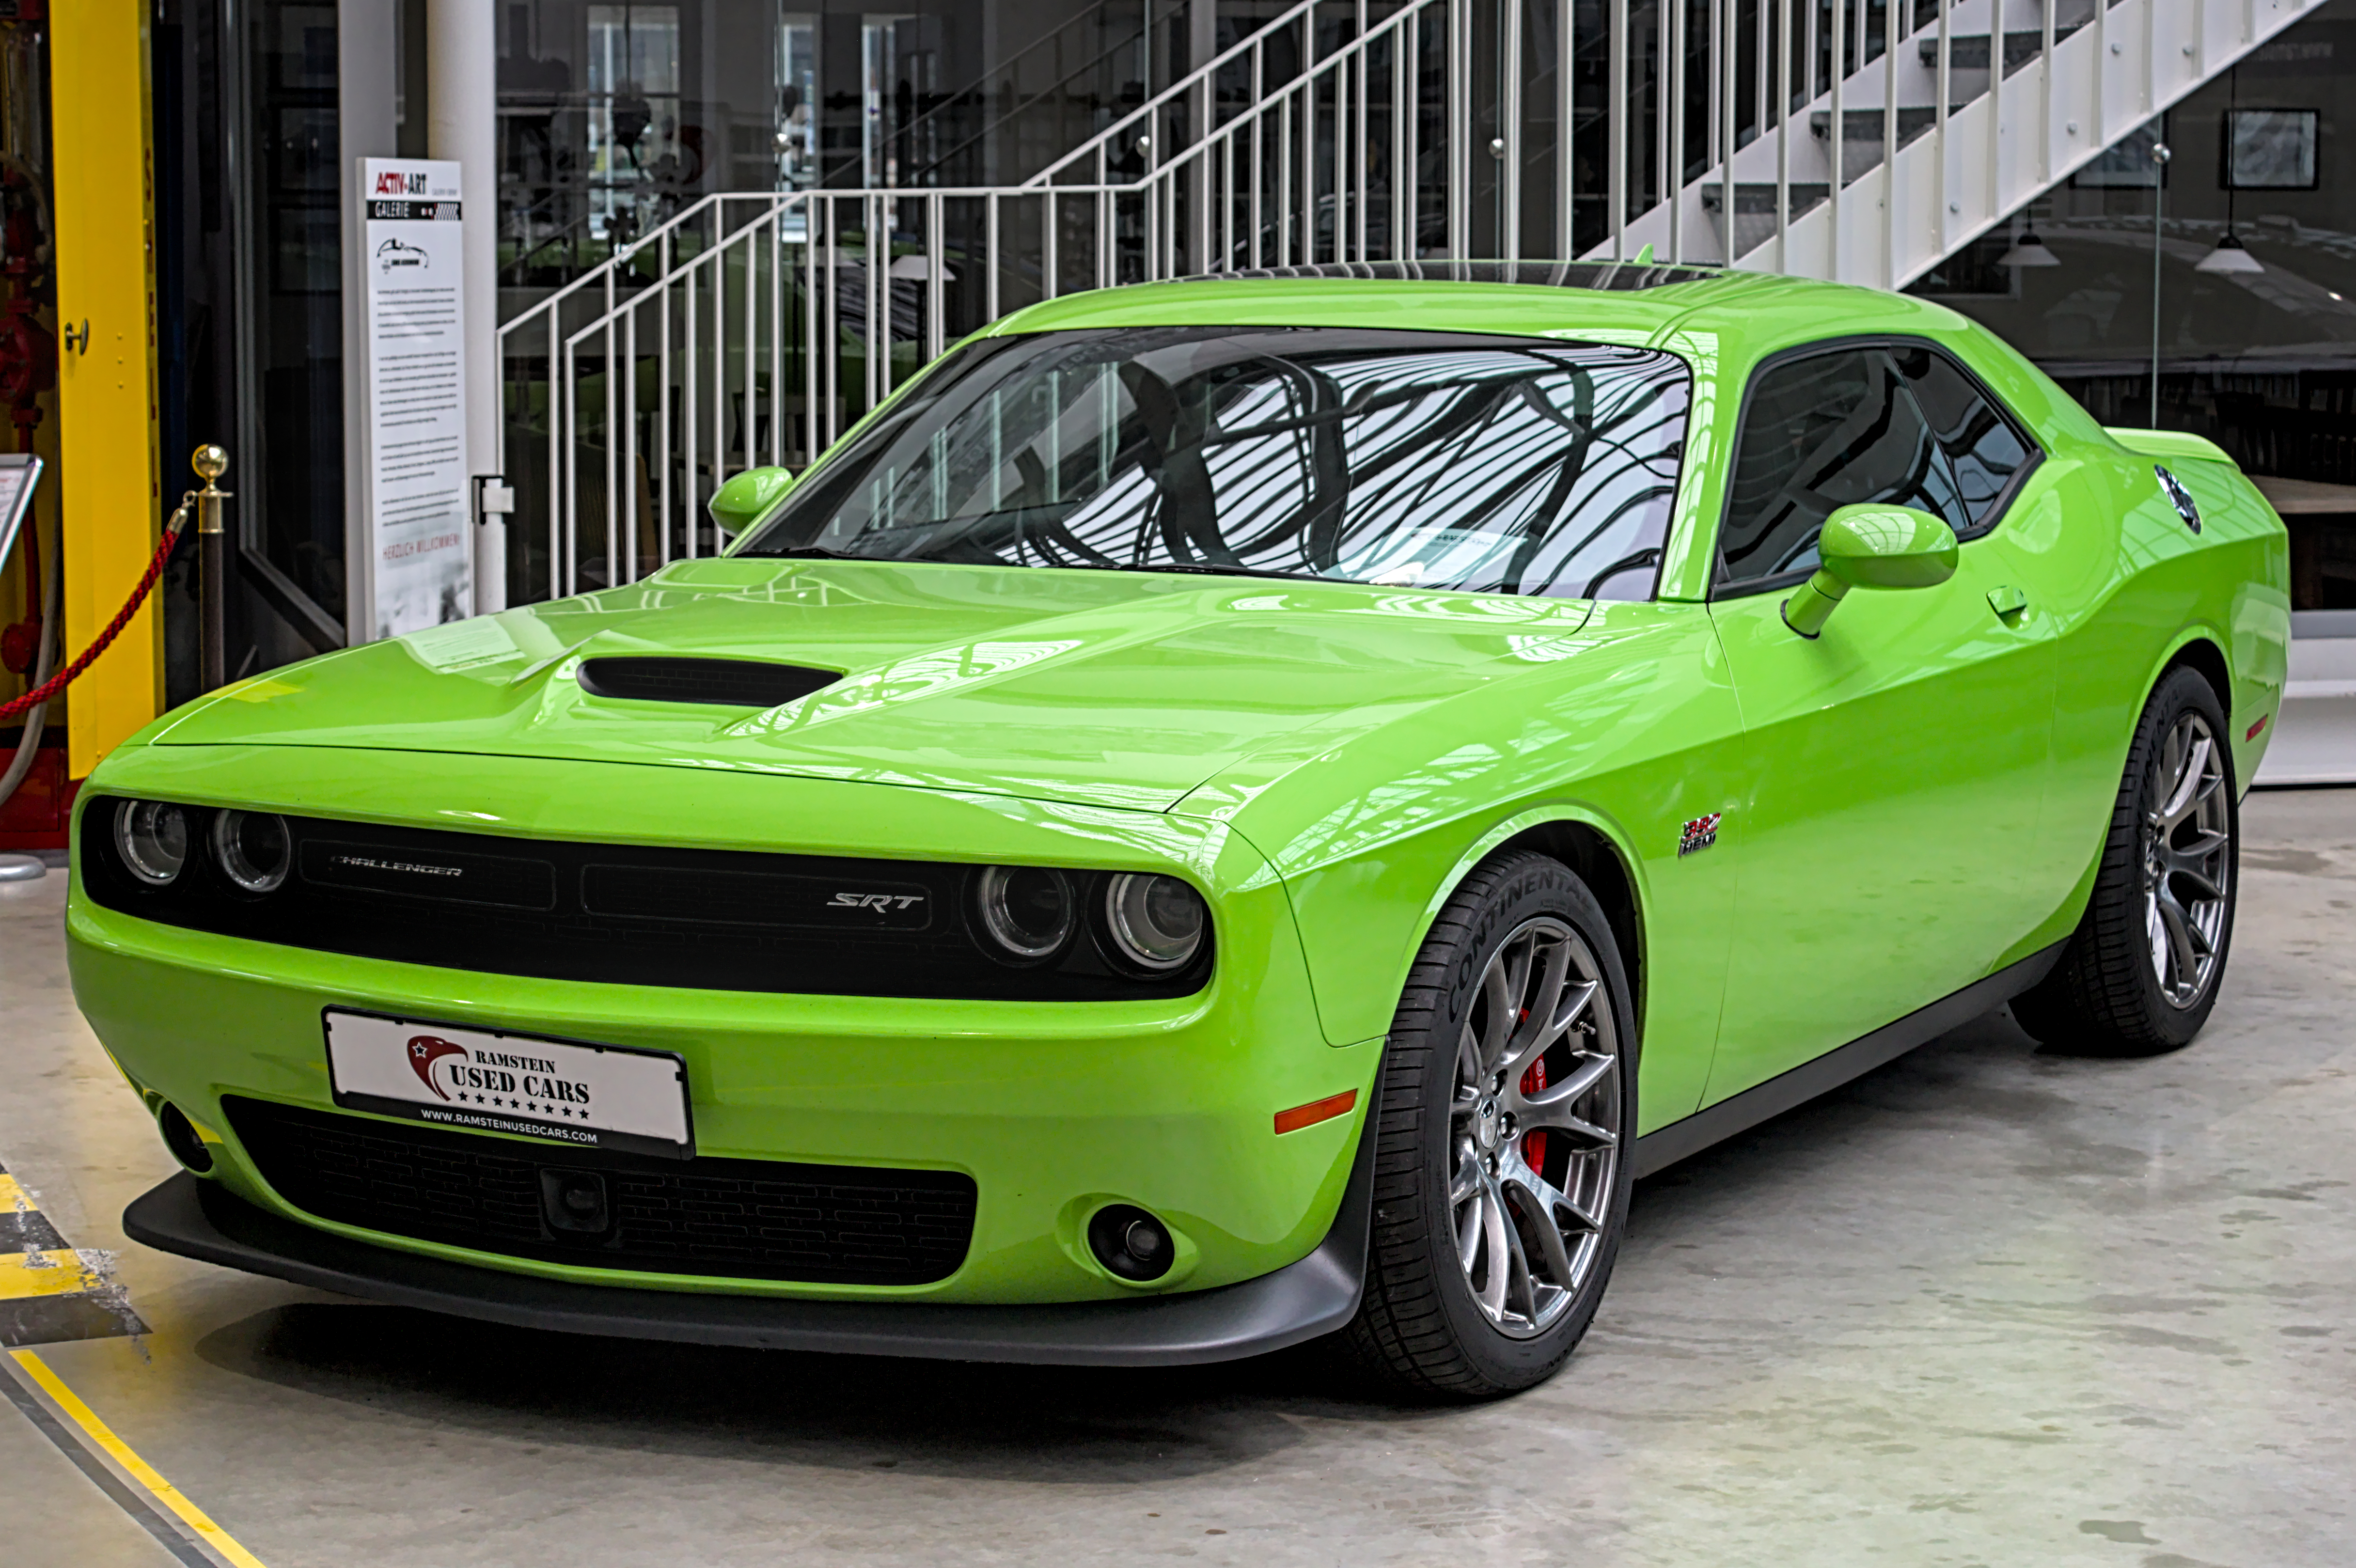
[817,552]
[1200,569]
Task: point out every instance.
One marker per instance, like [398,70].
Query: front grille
[745,1219]
[626,913]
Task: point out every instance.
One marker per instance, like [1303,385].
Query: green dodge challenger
[1224,813]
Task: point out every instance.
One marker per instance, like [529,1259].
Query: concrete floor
[1984,1306]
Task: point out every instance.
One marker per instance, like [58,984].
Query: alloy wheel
[2187,861]
[1535,1127]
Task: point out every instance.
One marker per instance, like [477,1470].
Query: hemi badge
[1317,1110]
[1698,834]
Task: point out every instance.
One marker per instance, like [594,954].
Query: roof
[1610,276]
[1591,301]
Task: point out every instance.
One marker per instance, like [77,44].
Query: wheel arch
[1593,849]
[2197,649]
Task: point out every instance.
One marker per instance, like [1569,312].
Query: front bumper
[1314,1296]
[1052,1108]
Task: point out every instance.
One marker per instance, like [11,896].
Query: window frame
[1723,587]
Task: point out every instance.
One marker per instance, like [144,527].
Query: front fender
[1623,728]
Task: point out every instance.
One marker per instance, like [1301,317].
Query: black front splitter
[1316,1295]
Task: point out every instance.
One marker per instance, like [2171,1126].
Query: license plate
[591,1096]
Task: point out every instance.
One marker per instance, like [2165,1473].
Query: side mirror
[747,498]
[1871,547]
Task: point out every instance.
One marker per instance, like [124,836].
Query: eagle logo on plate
[1698,834]
[424,1051]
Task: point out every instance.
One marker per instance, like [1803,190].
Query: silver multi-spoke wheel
[1534,1128]
[2141,972]
[2187,861]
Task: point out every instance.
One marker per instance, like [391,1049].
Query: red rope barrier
[57,682]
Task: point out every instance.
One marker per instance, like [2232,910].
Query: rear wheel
[1508,1117]
[2141,972]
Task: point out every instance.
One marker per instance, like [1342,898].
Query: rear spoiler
[2165,443]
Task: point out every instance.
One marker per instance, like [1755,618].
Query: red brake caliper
[1534,1143]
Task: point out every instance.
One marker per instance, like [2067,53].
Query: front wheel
[1509,1118]
[2141,972]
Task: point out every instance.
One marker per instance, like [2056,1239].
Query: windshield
[1417,459]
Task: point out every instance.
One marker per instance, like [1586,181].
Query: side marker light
[1317,1110]
[2257,729]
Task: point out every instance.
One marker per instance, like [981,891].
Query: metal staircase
[755,327]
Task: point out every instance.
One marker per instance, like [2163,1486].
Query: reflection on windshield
[1422,460]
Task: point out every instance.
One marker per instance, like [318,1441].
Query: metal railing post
[1509,116]
[1460,129]
[1838,140]
[1782,134]
[1673,181]
[1618,106]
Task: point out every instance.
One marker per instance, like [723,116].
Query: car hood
[1096,687]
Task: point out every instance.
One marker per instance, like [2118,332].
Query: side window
[1829,431]
[1981,445]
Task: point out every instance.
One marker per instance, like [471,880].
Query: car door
[1895,764]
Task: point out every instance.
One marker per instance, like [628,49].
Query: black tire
[1420,1329]
[2106,996]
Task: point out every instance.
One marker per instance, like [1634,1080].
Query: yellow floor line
[139,1470]
[15,1198]
[60,1273]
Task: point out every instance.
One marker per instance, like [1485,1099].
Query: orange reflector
[1316,1111]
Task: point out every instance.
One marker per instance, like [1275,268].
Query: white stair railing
[1973,144]
[755,327]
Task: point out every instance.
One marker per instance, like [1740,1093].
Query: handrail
[1152,17]
[1200,77]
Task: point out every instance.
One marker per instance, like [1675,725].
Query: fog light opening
[1130,1242]
[180,1137]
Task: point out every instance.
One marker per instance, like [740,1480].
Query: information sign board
[419,554]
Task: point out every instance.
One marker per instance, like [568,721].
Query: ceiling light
[2230,256]
[2028,251]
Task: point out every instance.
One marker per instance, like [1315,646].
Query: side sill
[1656,1151]
[1303,1300]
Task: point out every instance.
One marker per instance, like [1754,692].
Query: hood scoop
[730,683]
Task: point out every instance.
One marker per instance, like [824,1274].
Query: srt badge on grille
[1699,834]
[886,902]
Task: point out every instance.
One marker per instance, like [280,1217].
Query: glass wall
[290,443]
[2255,314]
[615,116]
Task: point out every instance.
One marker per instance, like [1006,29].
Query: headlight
[152,838]
[1027,913]
[1156,922]
[253,849]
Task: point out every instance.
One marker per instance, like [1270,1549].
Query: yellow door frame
[102,173]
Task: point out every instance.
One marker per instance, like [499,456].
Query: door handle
[2008,603]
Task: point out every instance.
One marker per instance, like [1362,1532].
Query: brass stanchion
[212,566]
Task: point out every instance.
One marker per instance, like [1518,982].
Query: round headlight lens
[254,848]
[1157,922]
[1027,912]
[152,837]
